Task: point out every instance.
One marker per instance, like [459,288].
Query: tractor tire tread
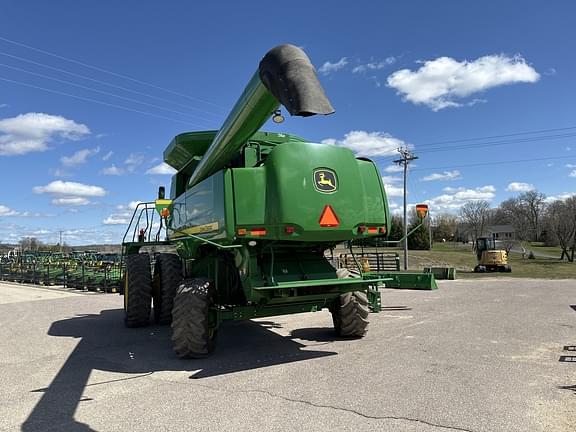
[169,267]
[138,304]
[350,314]
[190,318]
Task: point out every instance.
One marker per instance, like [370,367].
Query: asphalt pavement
[475,355]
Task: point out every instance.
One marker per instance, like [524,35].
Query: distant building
[499,232]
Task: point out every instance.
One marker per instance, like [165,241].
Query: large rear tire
[350,314]
[193,335]
[137,290]
[167,278]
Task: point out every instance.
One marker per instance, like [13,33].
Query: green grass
[462,258]
[546,250]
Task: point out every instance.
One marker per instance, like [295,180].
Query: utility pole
[407,157]
[430,230]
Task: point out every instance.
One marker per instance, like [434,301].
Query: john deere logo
[325,180]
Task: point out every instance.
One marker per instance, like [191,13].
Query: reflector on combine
[328,217]
[421,210]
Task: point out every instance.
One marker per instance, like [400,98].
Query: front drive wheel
[350,313]
[193,335]
[137,290]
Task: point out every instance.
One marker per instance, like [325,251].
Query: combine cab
[250,216]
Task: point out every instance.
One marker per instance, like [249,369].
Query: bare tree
[561,223]
[525,213]
[534,204]
[475,215]
[444,227]
[30,244]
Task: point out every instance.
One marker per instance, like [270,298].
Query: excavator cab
[489,258]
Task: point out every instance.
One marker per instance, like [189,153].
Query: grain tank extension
[250,215]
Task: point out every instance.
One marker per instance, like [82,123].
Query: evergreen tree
[418,240]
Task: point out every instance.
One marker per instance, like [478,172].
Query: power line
[500,136]
[108,72]
[499,143]
[25,60]
[496,163]
[96,101]
[492,143]
[103,92]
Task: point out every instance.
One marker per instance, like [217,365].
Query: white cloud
[519,187]
[124,214]
[4,105]
[393,191]
[374,65]
[162,169]
[107,156]
[559,197]
[80,157]
[7,211]
[117,220]
[328,68]
[134,159]
[70,201]
[60,172]
[393,169]
[368,143]
[72,189]
[32,132]
[454,198]
[442,82]
[391,179]
[112,170]
[572,173]
[446,175]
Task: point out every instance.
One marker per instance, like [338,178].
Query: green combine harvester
[250,217]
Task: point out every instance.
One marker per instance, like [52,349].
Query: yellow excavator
[490,258]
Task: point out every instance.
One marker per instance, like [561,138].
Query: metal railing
[370,261]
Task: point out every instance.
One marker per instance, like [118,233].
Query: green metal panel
[187,146]
[229,225]
[201,210]
[418,281]
[375,198]
[442,272]
[283,192]
[250,195]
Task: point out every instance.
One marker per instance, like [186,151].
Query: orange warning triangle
[328,217]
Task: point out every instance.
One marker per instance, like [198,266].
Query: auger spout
[285,77]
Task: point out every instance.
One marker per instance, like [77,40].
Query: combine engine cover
[309,192]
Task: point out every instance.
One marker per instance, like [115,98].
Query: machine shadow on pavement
[106,345]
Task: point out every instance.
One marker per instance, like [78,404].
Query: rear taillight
[258,232]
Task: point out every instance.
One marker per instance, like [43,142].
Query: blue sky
[92,92]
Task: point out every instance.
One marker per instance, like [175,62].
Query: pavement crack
[45,389]
[331,407]
[358,413]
